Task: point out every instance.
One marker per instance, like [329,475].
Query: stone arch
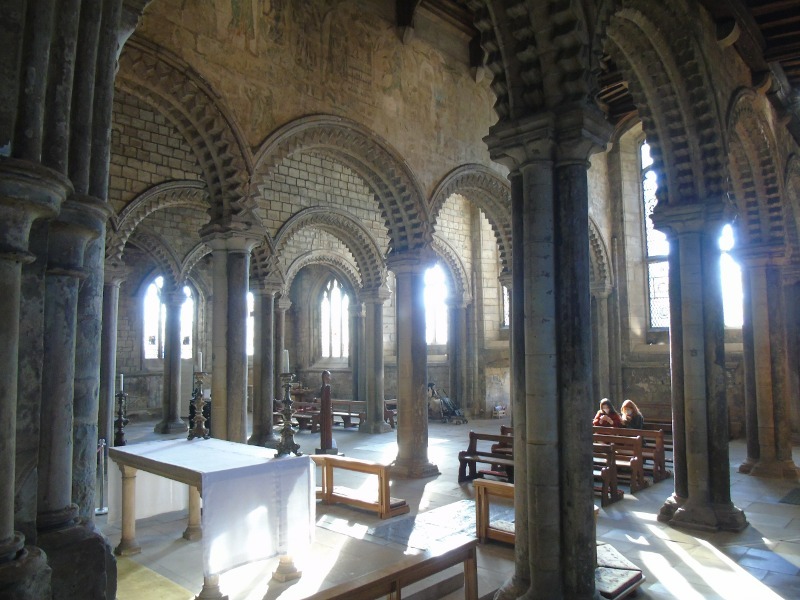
[265,267]
[396,190]
[601,276]
[342,225]
[792,191]
[159,250]
[654,46]
[462,289]
[757,185]
[194,256]
[164,195]
[484,188]
[180,94]
[343,268]
[528,76]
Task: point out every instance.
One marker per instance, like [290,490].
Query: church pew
[380,501]
[652,448]
[390,412]
[628,458]
[468,459]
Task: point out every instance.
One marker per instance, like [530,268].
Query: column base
[82,563]
[512,589]
[265,440]
[685,514]
[171,427]
[27,577]
[211,589]
[368,427]
[413,469]
[776,469]
[127,549]
[286,570]
[192,533]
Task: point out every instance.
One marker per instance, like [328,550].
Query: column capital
[114,274]
[231,241]
[283,303]
[410,262]
[28,191]
[567,136]
[81,220]
[377,295]
[601,291]
[174,297]
[262,288]
[677,219]
[791,273]
[506,278]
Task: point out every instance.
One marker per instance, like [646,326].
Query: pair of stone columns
[766,337]
[264,353]
[702,499]
[373,371]
[173,297]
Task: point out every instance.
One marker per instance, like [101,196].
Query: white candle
[121,382]
[199,361]
[285,360]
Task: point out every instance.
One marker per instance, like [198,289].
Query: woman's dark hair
[610,406]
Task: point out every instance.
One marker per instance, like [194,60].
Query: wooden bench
[666,427]
[347,409]
[604,469]
[468,459]
[389,581]
[507,446]
[652,448]
[628,458]
[390,412]
[381,502]
[485,490]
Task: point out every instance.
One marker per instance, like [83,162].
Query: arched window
[436,305]
[506,307]
[658,267]
[334,320]
[656,245]
[155,317]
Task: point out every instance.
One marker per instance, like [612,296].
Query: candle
[199,361]
[121,382]
[285,361]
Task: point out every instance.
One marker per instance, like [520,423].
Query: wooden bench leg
[471,576]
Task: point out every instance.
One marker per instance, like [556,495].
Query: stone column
[81,219]
[769,441]
[281,306]
[551,281]
[28,192]
[457,350]
[373,359]
[412,370]
[263,369]
[356,349]
[108,359]
[171,422]
[600,346]
[697,357]
[229,344]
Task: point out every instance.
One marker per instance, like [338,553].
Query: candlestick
[199,361]
[121,382]
[286,361]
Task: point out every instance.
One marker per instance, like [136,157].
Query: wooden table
[266,504]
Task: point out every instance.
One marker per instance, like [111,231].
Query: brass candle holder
[199,429]
[287,445]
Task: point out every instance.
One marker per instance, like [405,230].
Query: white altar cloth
[254,505]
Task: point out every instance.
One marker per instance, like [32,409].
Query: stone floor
[762,562]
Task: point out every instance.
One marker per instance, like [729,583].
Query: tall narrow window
[334,321]
[436,305]
[731,274]
[155,317]
[506,307]
[657,246]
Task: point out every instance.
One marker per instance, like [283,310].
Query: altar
[255,506]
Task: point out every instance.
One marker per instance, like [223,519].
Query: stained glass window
[334,317]
[155,317]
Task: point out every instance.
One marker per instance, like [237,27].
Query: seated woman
[632,417]
[607,416]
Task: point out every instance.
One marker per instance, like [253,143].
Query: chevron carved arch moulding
[489,192]
[336,263]
[455,266]
[398,193]
[667,74]
[181,95]
[601,276]
[166,195]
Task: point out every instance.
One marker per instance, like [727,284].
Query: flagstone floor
[762,562]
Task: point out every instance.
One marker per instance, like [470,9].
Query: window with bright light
[436,305]
[657,247]
[506,307]
[731,273]
[155,317]
[334,321]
